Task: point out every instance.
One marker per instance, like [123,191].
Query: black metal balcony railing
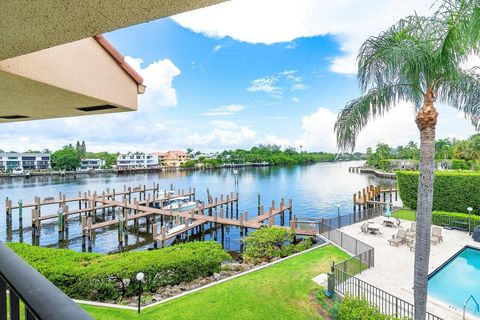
[24,290]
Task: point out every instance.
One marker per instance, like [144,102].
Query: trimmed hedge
[359,309]
[442,218]
[454,191]
[102,277]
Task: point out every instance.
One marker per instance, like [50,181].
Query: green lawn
[405,214]
[282,291]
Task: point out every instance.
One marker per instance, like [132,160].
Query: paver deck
[393,270]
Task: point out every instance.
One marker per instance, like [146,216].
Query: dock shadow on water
[109,213]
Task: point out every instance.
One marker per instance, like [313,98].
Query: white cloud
[273,21]
[224,110]
[265,84]
[225,125]
[217,139]
[158,78]
[299,86]
[396,127]
[217,48]
[273,139]
[296,99]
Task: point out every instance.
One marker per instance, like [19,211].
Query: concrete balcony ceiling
[54,62]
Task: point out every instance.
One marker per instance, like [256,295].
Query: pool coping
[126,307]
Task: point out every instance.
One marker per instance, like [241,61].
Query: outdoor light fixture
[140,277]
[469,209]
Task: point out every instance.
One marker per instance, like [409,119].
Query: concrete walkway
[393,271]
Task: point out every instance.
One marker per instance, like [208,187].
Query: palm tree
[417,60]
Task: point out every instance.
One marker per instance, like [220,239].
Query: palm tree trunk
[426,122]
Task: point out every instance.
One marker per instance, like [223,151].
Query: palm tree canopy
[417,58]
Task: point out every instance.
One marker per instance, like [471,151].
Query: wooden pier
[380,174]
[371,196]
[144,205]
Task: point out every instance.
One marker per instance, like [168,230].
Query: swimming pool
[457,279]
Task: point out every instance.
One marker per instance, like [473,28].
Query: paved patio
[393,271]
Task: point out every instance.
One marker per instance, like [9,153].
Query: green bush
[460,164]
[358,309]
[109,277]
[454,191]
[442,218]
[269,242]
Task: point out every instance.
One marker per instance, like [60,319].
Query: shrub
[109,277]
[358,309]
[442,218]
[454,191]
[460,164]
[270,242]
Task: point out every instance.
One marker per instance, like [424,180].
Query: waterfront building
[210,155]
[25,161]
[136,160]
[172,158]
[95,164]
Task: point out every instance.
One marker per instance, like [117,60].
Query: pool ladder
[465,305]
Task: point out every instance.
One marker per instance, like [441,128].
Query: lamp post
[140,277]
[469,209]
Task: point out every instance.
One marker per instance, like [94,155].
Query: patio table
[374,228]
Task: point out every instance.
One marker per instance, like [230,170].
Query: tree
[189,150]
[66,158]
[417,60]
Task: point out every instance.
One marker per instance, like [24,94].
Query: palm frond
[463,93]
[358,112]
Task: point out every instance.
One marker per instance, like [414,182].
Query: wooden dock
[379,174]
[371,196]
[132,206]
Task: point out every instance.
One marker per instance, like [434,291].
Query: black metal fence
[348,285]
[26,294]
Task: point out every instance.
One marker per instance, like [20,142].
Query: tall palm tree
[418,60]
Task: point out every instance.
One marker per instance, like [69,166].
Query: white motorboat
[18,171]
[182,203]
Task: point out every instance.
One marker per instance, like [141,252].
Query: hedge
[454,191]
[102,277]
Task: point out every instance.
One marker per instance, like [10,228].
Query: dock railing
[30,293]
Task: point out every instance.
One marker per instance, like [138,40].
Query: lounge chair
[399,238]
[364,228]
[411,245]
[436,235]
[411,231]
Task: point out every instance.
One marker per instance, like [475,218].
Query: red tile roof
[119,58]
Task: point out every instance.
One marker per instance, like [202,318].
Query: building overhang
[79,78]
[28,26]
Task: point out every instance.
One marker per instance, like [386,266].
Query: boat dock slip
[379,174]
[164,214]
[372,196]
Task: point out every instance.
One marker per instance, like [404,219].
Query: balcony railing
[24,290]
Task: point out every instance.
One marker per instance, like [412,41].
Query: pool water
[455,281]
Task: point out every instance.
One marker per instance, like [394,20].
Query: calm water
[456,281]
[315,190]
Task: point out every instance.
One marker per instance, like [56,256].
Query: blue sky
[239,74]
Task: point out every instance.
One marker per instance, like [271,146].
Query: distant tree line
[463,154]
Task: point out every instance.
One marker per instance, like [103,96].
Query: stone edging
[111,305]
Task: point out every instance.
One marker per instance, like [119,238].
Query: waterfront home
[25,161]
[136,160]
[210,155]
[95,164]
[172,158]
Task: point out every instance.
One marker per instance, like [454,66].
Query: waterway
[315,190]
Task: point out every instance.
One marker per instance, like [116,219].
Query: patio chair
[364,228]
[412,230]
[436,235]
[399,238]
[411,245]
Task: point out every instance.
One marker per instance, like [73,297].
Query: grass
[282,291]
[405,214]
